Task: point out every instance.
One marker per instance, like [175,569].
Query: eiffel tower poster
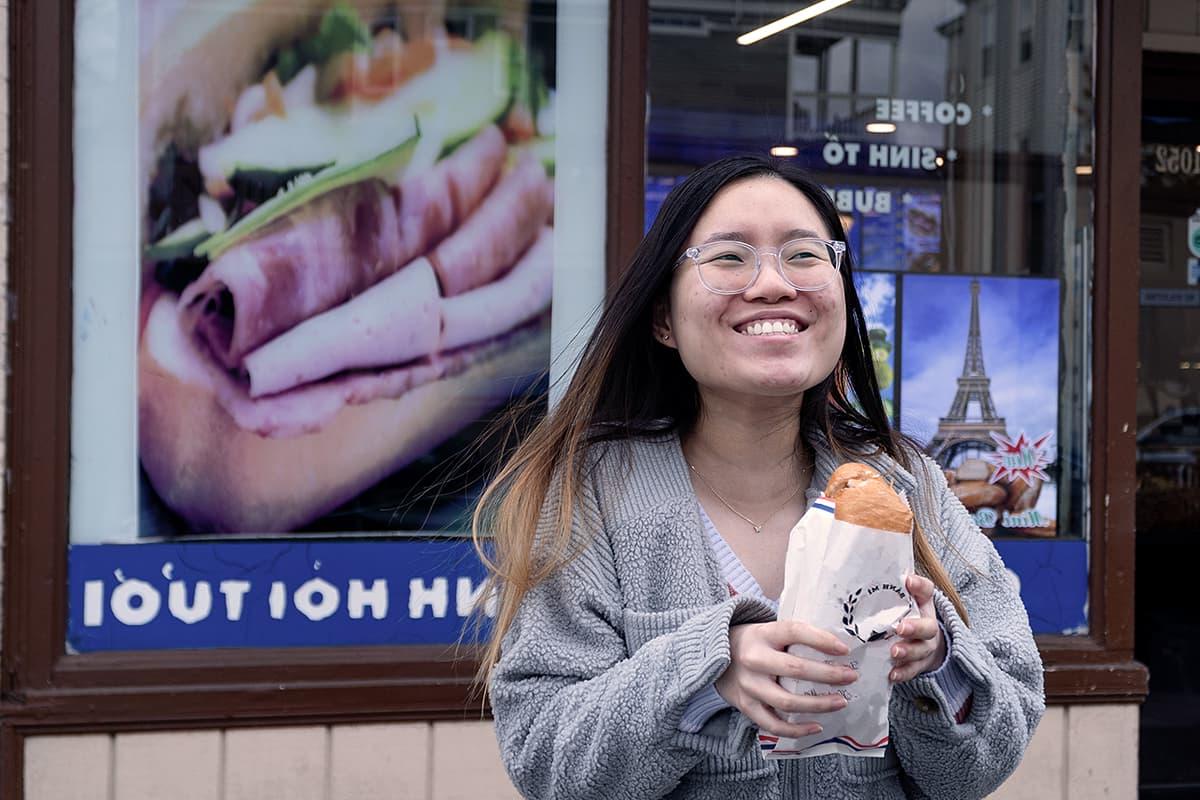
[979,384]
[961,433]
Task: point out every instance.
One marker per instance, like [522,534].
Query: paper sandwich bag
[848,580]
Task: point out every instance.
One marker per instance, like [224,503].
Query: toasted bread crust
[862,497]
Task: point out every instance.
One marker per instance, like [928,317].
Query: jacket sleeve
[970,757]
[577,714]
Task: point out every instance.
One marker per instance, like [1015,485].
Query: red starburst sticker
[1020,459]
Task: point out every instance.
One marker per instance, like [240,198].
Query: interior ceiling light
[784,151]
[881,127]
[1083,169]
[795,18]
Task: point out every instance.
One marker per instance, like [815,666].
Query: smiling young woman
[754,342]
[637,536]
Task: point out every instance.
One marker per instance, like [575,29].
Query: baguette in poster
[349,249]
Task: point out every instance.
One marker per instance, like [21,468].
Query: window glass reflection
[956,140]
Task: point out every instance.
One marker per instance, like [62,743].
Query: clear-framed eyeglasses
[732,267]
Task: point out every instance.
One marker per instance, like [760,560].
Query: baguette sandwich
[862,497]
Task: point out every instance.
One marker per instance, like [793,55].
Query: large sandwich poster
[348,257]
[346,236]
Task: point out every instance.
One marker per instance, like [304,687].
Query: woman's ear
[662,324]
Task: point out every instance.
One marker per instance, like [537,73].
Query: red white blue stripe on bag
[768,744]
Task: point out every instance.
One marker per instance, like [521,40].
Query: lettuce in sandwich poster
[347,230]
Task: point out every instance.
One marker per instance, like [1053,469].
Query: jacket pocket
[749,778]
[871,770]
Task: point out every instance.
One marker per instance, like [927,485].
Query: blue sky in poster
[877,295]
[1019,327]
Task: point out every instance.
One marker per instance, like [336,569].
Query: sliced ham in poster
[332,249]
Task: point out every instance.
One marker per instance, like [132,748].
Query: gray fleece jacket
[603,657]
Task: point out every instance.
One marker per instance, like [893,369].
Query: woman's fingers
[906,652]
[785,665]
[770,693]
[921,589]
[918,628]
[784,633]
[922,647]
[906,671]
[769,722]
[759,657]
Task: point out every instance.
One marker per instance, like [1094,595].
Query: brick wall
[1080,752]
[411,761]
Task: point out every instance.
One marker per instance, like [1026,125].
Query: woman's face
[710,331]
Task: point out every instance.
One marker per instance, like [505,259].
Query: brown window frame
[43,690]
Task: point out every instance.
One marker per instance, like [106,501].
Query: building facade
[252,600]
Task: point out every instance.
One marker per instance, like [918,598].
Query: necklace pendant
[758,528]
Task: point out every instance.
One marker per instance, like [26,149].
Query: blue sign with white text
[308,593]
[285,593]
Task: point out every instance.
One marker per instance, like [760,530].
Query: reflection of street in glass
[1168,462]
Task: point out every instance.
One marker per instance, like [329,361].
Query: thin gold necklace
[756,525]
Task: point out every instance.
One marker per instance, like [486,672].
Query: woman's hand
[759,658]
[921,648]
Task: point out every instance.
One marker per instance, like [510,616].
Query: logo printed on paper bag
[880,595]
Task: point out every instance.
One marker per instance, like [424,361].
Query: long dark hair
[627,385]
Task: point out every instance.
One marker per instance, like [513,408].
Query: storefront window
[304,297]
[956,139]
